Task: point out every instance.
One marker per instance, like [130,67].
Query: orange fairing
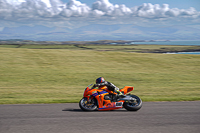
[126,89]
[86,92]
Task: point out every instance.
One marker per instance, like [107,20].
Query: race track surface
[153,117]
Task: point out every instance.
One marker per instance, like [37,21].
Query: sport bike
[103,99]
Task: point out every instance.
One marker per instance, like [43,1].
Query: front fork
[89,99]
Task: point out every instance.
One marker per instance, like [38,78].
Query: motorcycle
[102,99]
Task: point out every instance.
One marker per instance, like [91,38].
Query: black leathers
[109,85]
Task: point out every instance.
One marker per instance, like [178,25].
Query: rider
[101,82]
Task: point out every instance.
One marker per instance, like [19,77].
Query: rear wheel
[88,106]
[133,105]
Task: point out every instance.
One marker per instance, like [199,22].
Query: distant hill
[26,30]
[100,32]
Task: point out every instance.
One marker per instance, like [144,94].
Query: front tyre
[88,106]
[133,105]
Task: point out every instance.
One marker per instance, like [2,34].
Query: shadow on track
[79,110]
[73,110]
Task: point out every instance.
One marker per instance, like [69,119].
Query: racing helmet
[100,80]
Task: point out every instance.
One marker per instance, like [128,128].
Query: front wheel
[133,105]
[88,106]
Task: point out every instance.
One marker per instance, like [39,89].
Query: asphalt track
[153,117]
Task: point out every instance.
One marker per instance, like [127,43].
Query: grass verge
[60,75]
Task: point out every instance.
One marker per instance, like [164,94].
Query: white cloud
[75,9]
[102,5]
[55,10]
[15,2]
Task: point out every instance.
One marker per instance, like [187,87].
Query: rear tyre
[88,106]
[133,105]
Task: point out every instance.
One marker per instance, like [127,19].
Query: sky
[77,13]
[182,4]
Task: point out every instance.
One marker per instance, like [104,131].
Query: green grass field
[61,75]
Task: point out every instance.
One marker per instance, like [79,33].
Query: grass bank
[60,75]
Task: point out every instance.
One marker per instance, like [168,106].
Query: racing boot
[119,94]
